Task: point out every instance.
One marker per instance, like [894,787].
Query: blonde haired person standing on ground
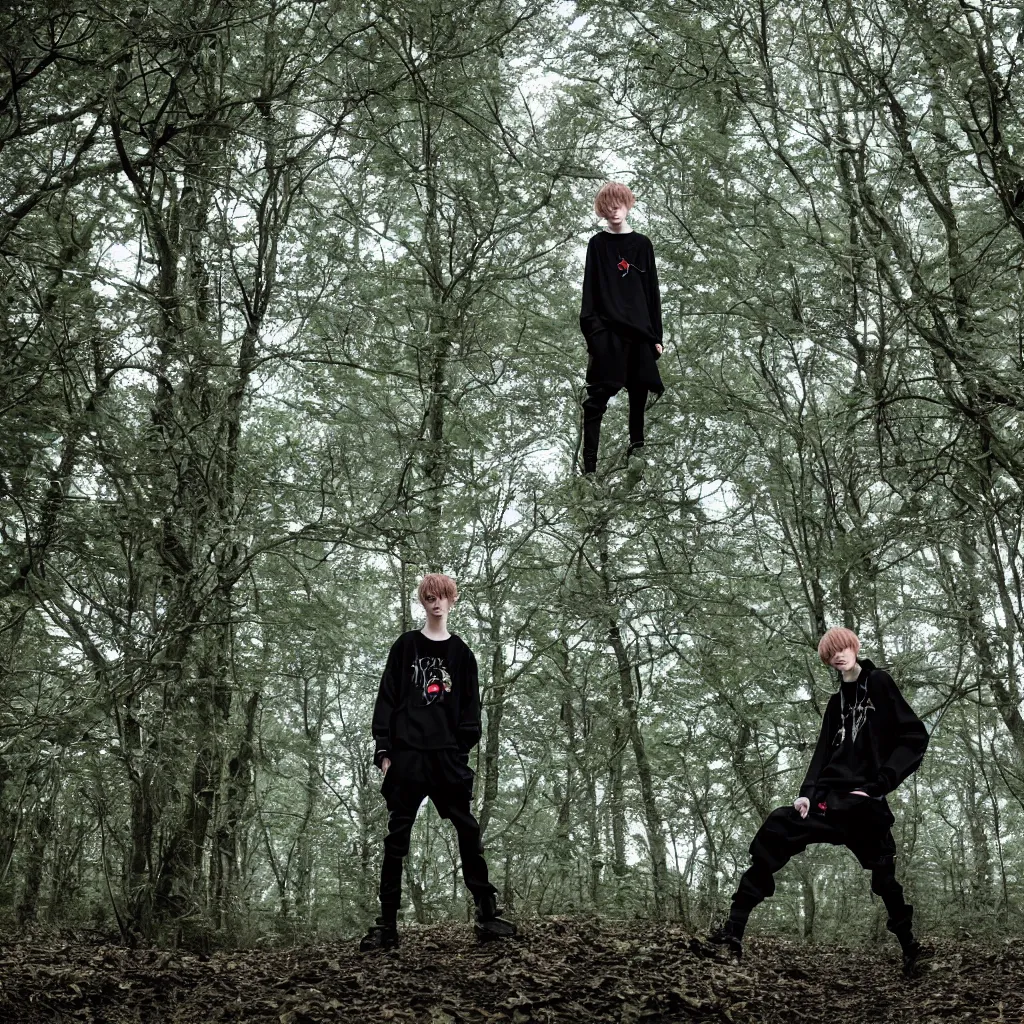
[870,741]
[425,722]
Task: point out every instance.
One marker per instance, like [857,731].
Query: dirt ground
[556,971]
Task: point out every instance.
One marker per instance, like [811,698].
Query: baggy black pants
[594,406]
[448,782]
[863,825]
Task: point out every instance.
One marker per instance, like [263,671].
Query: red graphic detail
[434,688]
[822,806]
[625,266]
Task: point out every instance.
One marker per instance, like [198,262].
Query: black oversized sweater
[620,287]
[426,701]
[870,738]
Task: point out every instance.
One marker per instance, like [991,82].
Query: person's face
[616,214]
[437,607]
[844,660]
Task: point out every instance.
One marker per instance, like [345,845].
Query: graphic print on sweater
[625,266]
[857,715]
[430,674]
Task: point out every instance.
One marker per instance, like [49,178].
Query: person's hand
[860,792]
[385,764]
[659,349]
[802,806]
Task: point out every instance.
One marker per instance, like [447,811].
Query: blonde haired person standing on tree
[620,317]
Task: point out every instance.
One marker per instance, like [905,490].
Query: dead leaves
[558,972]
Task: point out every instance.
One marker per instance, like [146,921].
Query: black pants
[441,776]
[594,406]
[863,827]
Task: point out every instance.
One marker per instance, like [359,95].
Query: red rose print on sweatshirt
[625,266]
[432,678]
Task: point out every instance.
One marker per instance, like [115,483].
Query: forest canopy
[289,311]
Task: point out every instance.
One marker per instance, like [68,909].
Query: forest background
[288,318]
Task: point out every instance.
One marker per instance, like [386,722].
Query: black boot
[730,935]
[489,922]
[382,935]
[915,954]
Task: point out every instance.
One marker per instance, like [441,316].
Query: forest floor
[557,971]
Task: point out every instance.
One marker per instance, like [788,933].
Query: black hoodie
[426,702]
[870,738]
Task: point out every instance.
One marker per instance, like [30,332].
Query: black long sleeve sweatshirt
[620,287]
[428,698]
[870,738]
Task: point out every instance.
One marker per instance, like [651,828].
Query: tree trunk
[652,815]
[232,805]
[28,906]
[494,705]
[617,806]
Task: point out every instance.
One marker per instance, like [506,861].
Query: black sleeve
[908,733]
[820,756]
[590,319]
[387,700]
[469,728]
[654,298]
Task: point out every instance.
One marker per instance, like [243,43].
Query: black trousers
[448,782]
[864,826]
[594,406]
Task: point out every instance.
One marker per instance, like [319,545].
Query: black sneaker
[382,935]
[489,922]
[915,955]
[724,935]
